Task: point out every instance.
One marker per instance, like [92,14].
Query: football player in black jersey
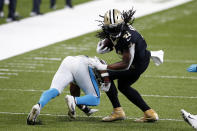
[117,33]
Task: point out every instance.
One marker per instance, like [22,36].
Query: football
[107,43]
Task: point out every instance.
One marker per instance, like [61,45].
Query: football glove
[95,62]
[105,86]
[101,49]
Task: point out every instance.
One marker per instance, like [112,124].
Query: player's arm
[127,59]
[105,86]
[124,64]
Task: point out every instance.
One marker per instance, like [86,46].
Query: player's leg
[1,8]
[12,8]
[60,80]
[53,4]
[86,80]
[88,83]
[134,96]
[75,91]
[118,112]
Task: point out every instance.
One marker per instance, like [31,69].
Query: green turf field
[167,88]
[24,7]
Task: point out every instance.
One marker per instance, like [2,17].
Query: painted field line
[184,97]
[149,76]
[29,90]
[181,61]
[33,90]
[171,77]
[46,58]
[4,77]
[2,73]
[83,116]
[14,70]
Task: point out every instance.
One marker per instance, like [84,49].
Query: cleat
[189,118]
[35,111]
[70,100]
[91,112]
[149,116]
[157,57]
[117,114]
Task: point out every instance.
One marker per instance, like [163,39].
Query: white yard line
[4,77]
[35,32]
[46,71]
[83,116]
[171,77]
[160,96]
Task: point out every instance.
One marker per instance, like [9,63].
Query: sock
[84,108]
[47,96]
[88,100]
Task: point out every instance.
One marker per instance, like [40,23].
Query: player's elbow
[126,65]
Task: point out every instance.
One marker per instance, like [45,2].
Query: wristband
[104,74]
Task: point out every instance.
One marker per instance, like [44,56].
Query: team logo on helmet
[114,23]
[113,17]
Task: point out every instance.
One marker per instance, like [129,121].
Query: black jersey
[127,39]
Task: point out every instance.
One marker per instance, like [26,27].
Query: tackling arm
[105,86]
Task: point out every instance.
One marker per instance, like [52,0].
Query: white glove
[100,49]
[95,62]
[105,86]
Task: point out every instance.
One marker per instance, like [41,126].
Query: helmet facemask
[113,23]
[114,31]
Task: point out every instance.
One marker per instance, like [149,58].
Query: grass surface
[24,7]
[167,88]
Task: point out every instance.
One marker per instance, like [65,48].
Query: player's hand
[101,49]
[104,46]
[105,86]
[95,62]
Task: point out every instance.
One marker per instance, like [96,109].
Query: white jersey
[76,69]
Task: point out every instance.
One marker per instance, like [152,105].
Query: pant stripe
[94,82]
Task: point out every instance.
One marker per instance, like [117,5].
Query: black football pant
[52,3]
[12,8]
[68,3]
[125,79]
[1,5]
[36,6]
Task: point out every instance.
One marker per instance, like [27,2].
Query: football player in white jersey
[77,70]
